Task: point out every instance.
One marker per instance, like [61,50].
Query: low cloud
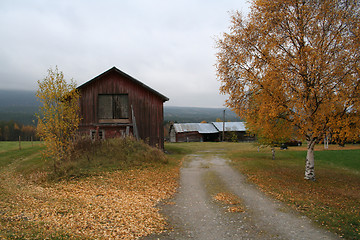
[167,45]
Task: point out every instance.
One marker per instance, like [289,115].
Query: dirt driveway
[195,214]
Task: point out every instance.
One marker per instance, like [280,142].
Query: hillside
[11,98]
[21,106]
[194,114]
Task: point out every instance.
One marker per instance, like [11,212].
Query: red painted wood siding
[147,106]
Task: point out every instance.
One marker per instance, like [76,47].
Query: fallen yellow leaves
[230,199]
[236,209]
[116,205]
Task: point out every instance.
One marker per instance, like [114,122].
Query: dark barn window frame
[113,108]
[97,134]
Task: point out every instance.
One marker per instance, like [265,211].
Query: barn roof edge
[164,98]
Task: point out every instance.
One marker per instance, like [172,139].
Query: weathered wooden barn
[234,131]
[203,132]
[115,104]
[193,132]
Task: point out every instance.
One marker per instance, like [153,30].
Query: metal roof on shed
[231,126]
[195,127]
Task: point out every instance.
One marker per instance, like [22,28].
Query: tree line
[11,131]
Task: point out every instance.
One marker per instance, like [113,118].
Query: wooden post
[135,130]
[19,143]
[223,133]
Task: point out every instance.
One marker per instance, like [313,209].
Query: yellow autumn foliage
[58,116]
[292,67]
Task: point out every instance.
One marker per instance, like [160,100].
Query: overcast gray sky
[168,45]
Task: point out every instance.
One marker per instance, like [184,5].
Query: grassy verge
[332,201]
[109,191]
[203,147]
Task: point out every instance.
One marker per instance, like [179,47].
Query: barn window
[113,106]
[95,135]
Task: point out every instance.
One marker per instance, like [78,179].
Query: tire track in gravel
[195,215]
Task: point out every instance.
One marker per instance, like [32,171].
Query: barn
[204,132]
[193,132]
[234,131]
[114,104]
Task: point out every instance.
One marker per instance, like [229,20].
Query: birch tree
[58,117]
[296,61]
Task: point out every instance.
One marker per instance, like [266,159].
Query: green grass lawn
[10,152]
[349,159]
[8,145]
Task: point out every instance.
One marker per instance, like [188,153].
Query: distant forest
[11,131]
[18,108]
[17,115]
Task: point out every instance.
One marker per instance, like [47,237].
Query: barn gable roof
[195,127]
[230,126]
[213,127]
[121,73]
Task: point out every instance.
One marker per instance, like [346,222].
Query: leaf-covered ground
[116,205]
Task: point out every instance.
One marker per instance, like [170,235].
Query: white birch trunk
[273,153]
[310,162]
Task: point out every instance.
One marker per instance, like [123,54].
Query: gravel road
[194,214]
